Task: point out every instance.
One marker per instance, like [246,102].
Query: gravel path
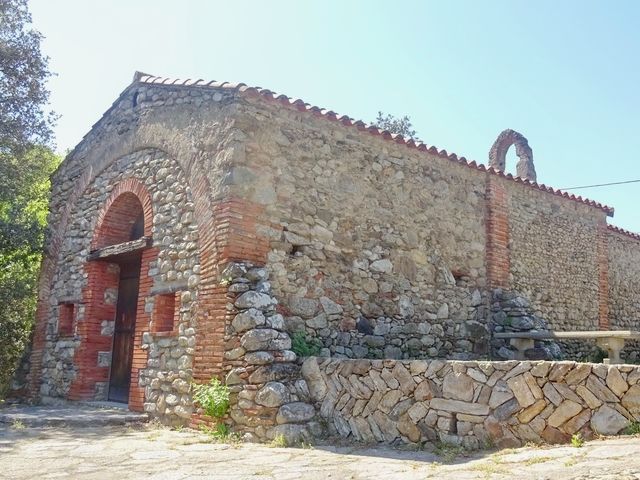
[121,452]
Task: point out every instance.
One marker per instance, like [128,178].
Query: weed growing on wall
[305,346]
[213,397]
[279,441]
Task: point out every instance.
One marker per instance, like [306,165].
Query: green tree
[26,162]
[402,125]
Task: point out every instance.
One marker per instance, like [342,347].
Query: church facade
[199,225]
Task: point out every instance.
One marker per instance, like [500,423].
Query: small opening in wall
[459,276]
[66,314]
[135,99]
[165,313]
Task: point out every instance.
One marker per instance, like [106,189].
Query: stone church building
[199,224]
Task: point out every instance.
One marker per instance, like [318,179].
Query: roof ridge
[345,120]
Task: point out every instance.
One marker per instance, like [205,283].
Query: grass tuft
[632,429]
[18,425]
[279,441]
[448,451]
[577,440]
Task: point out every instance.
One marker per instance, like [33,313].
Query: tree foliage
[401,125]
[23,74]
[26,162]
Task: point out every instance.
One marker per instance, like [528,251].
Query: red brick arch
[128,199]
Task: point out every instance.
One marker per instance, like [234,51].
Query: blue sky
[566,74]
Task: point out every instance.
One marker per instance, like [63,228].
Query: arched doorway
[109,357]
[118,241]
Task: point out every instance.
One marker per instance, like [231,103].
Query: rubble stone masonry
[624,285]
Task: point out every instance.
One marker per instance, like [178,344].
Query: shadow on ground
[149,451]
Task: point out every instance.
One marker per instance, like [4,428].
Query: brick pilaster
[497,225]
[143,318]
[229,232]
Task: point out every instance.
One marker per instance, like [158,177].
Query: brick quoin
[497,224]
[229,234]
[128,200]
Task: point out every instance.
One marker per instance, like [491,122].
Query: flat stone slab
[72,415]
[550,335]
[153,453]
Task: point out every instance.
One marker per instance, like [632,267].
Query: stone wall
[269,397]
[401,245]
[624,286]
[554,258]
[378,250]
[472,403]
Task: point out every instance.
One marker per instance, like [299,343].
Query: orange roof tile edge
[622,231]
[301,105]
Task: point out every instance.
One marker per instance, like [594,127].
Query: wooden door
[124,332]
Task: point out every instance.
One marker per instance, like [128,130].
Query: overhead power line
[601,185]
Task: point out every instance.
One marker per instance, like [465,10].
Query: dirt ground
[127,452]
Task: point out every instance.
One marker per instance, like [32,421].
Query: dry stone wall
[376,250]
[472,403]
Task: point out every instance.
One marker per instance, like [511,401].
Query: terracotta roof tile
[622,231]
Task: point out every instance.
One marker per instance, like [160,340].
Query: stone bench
[610,340]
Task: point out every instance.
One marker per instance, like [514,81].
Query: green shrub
[632,429]
[212,397]
[305,346]
[597,355]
